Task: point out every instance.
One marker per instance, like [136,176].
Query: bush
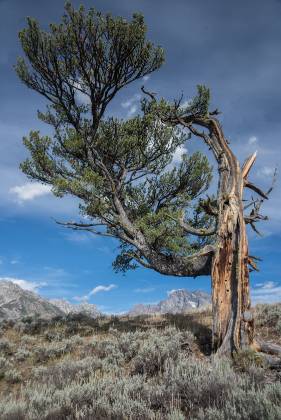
[160,347]
[4,366]
[246,359]
[22,354]
[28,340]
[43,353]
[5,346]
[13,376]
[268,315]
[148,374]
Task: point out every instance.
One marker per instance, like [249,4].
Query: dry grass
[145,367]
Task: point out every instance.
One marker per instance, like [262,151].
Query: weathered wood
[267,347]
[233,326]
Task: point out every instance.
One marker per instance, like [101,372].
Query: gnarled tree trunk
[233,326]
[232,320]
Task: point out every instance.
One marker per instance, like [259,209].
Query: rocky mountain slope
[178,301]
[85,308]
[16,303]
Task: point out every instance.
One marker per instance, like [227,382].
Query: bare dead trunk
[233,325]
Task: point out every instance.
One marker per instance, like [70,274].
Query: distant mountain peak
[178,301]
[16,303]
[84,307]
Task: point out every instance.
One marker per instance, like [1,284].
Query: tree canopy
[121,169]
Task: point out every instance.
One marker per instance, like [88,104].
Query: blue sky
[234,48]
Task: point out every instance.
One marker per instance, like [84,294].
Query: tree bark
[233,326]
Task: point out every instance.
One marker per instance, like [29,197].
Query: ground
[147,367]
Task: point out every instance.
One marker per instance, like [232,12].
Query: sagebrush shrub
[22,354]
[13,376]
[5,346]
[146,374]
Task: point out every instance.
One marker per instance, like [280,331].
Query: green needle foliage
[121,170]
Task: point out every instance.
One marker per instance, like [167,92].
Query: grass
[119,368]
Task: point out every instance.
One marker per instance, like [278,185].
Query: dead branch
[248,164]
[215,112]
[152,95]
[252,263]
[267,347]
[253,187]
[86,227]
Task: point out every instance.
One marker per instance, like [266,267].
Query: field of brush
[148,367]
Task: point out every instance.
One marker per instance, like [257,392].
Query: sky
[232,47]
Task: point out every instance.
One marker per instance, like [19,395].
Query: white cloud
[13,262]
[144,290]
[94,291]
[29,191]
[81,298]
[132,110]
[266,172]
[146,78]
[130,104]
[78,237]
[81,97]
[130,101]
[186,103]
[101,288]
[253,140]
[180,150]
[25,284]
[267,292]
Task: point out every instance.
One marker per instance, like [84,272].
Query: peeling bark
[233,325]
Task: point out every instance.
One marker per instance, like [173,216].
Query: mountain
[16,303]
[84,308]
[178,301]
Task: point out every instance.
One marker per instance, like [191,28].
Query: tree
[122,170]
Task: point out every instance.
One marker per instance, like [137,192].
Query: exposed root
[270,352]
[267,347]
[272,362]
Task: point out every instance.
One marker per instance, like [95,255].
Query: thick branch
[198,264]
[191,230]
[138,259]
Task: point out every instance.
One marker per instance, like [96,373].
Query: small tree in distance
[122,172]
